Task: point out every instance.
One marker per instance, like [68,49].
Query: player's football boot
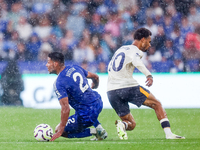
[101,133]
[94,138]
[121,130]
[174,136]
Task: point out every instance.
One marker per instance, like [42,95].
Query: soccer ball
[43,132]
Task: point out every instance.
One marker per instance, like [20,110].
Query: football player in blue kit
[72,89]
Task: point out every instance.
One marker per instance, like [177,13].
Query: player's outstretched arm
[95,79]
[65,110]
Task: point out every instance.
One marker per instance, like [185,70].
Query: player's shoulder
[133,51]
[128,48]
[136,50]
[73,67]
[63,78]
[70,70]
[65,73]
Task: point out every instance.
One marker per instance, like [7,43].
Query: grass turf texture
[17,125]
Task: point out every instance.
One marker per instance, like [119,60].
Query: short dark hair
[141,33]
[56,56]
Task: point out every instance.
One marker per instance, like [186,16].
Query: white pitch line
[163,142]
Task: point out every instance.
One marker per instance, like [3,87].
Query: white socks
[167,131]
[93,131]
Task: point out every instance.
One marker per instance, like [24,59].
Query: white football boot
[121,130]
[174,136]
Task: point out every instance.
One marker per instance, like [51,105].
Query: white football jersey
[122,65]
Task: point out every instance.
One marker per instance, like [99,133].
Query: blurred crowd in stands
[88,32]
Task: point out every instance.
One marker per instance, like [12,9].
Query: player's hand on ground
[55,136]
[149,81]
[59,131]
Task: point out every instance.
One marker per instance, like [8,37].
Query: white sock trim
[163,120]
[125,124]
[93,131]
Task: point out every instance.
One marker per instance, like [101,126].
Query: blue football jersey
[72,83]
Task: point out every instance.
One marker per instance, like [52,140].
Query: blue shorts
[84,118]
[120,98]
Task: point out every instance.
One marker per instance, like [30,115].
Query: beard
[53,72]
[144,50]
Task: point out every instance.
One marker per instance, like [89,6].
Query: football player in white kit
[122,88]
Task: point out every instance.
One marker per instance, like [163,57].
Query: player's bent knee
[133,126]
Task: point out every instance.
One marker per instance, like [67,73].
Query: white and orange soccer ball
[43,132]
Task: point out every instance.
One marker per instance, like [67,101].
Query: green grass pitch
[17,125]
